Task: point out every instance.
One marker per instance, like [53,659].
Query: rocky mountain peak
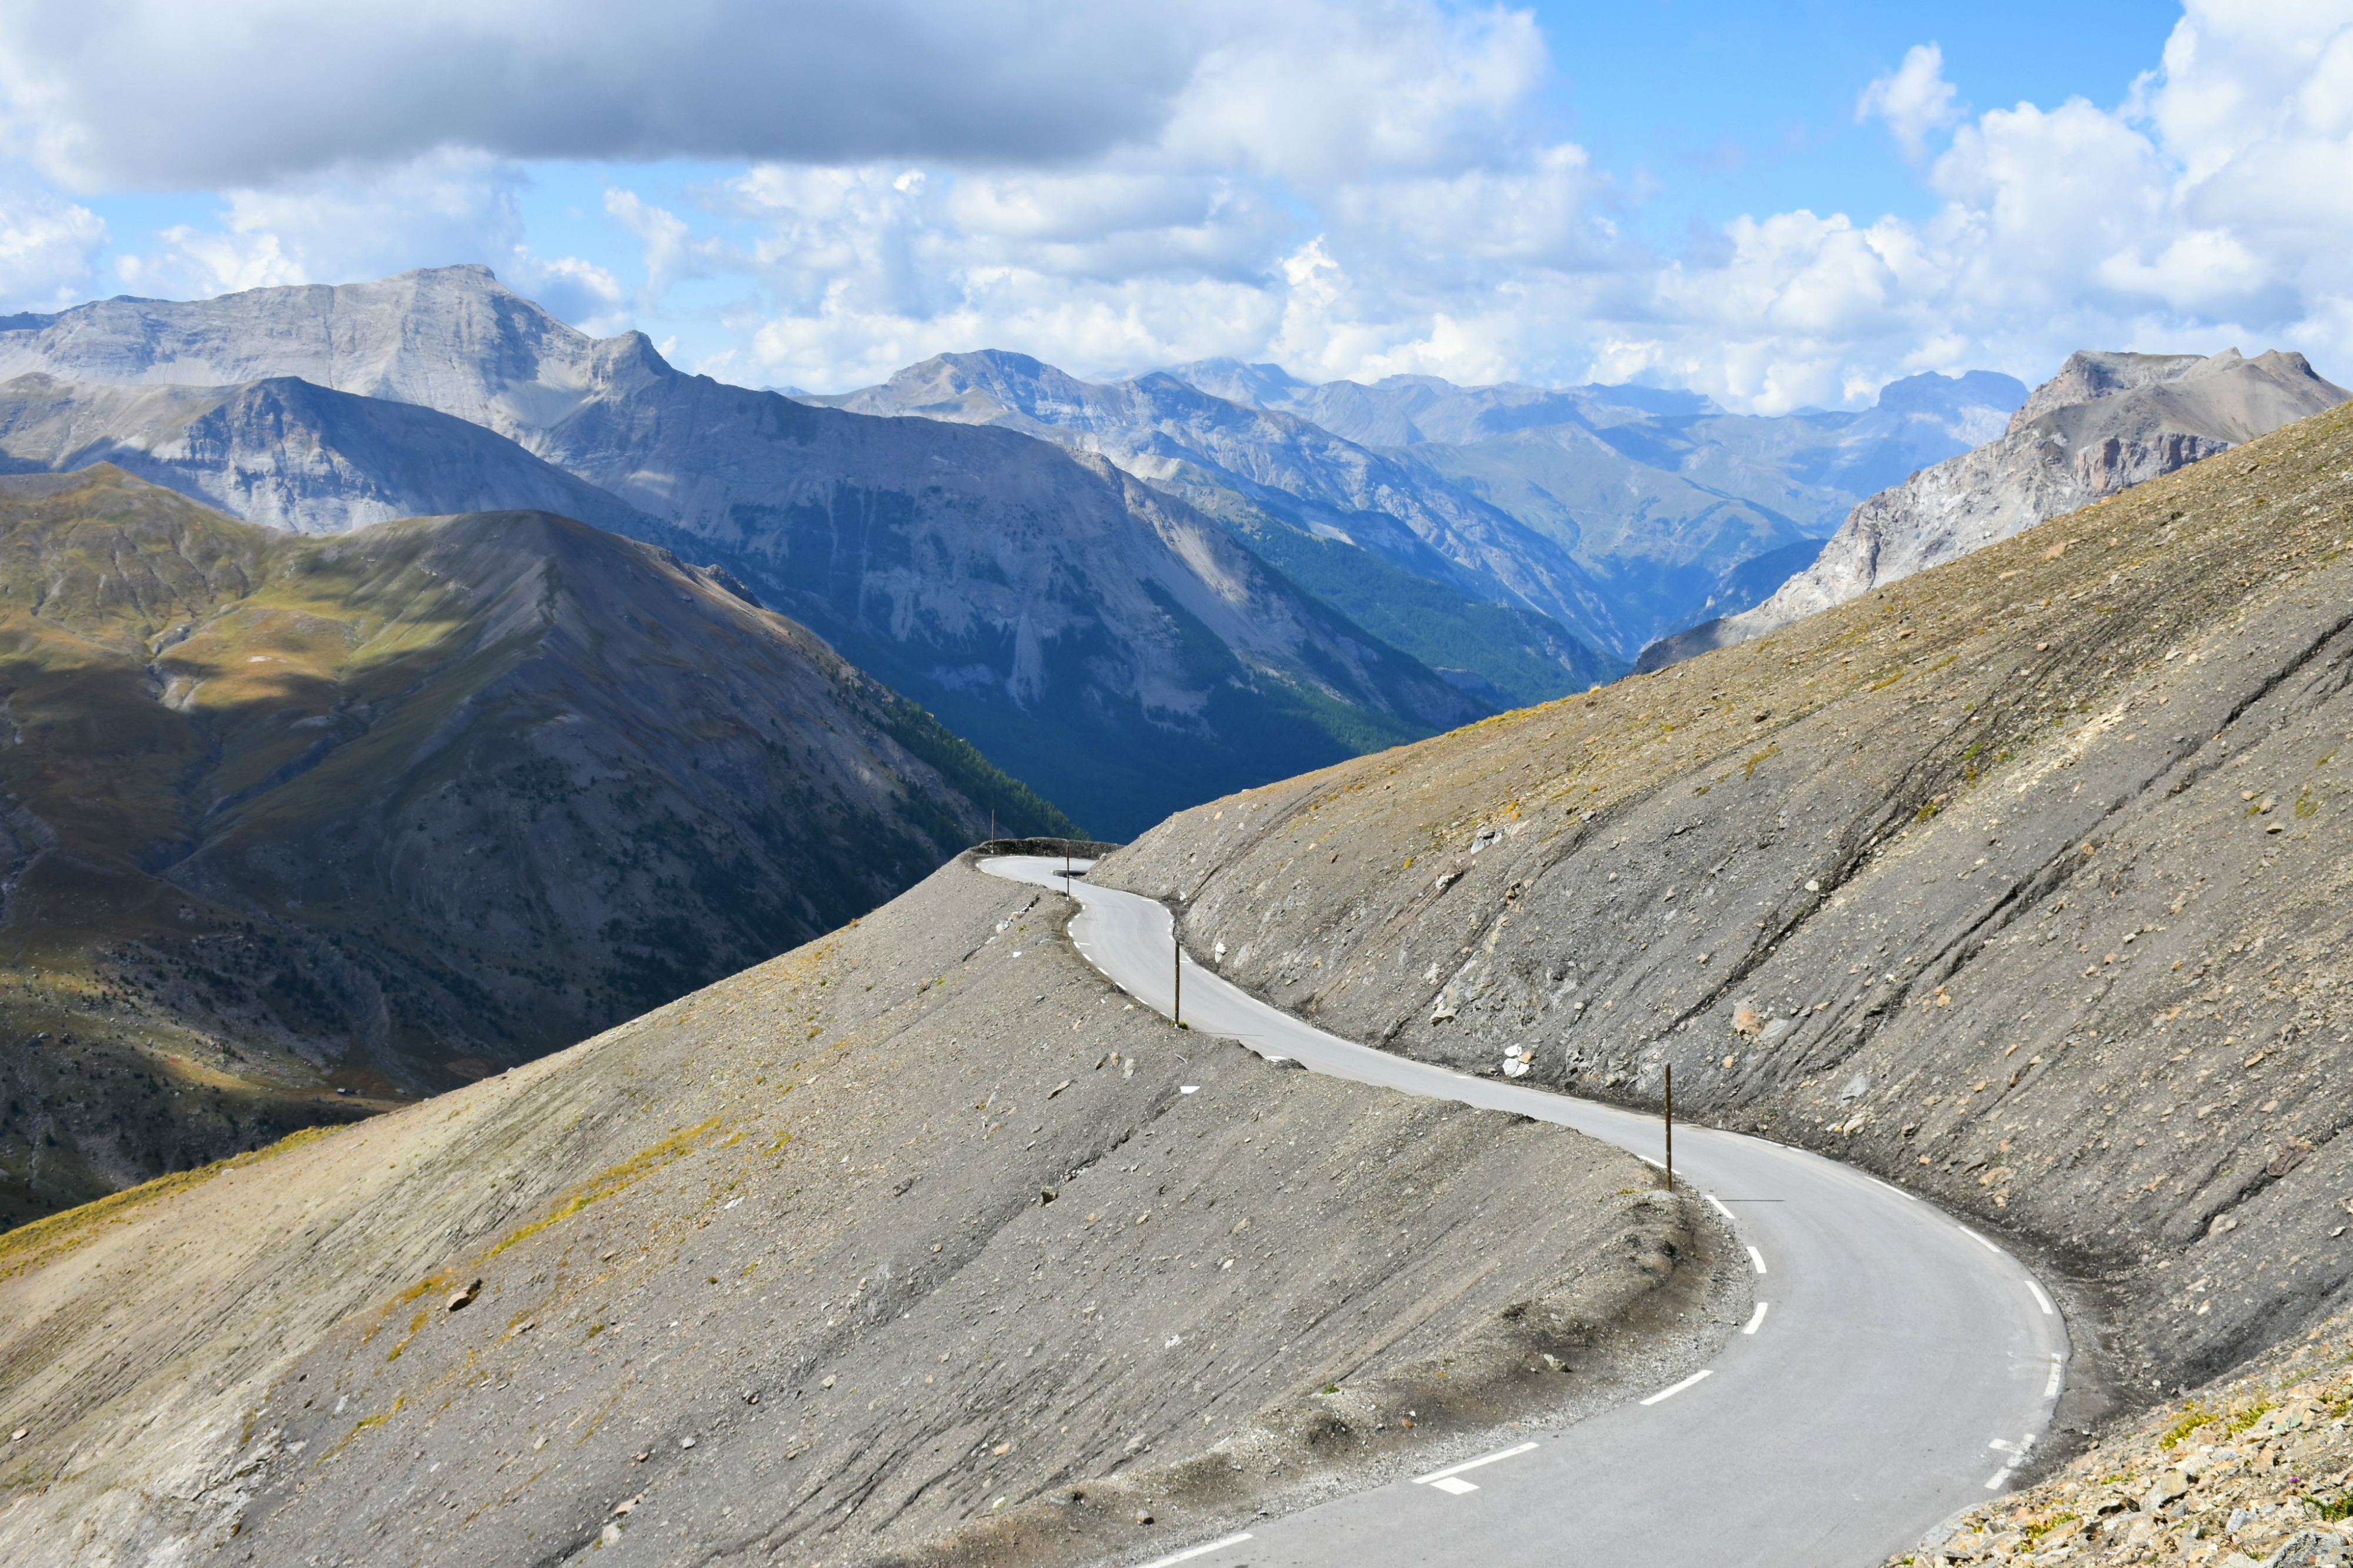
[2091,374]
[2106,421]
[449,338]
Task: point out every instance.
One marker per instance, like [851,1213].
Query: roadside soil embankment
[2026,881]
[826,1260]
[2254,1470]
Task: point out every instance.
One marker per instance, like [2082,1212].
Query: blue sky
[1780,205]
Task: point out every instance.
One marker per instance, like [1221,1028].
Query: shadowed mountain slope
[2022,881]
[1100,639]
[2106,421]
[389,810]
[917,1244]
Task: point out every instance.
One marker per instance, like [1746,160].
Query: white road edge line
[2058,1375]
[2041,1299]
[1678,1388]
[1719,1208]
[1645,1158]
[1199,1551]
[1899,1192]
[1756,1320]
[1465,1464]
[1980,1240]
[1757,1258]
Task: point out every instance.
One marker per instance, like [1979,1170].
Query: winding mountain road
[1898,1366]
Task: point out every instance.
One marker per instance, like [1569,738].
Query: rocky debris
[2000,853]
[2254,1471]
[2106,421]
[735,1323]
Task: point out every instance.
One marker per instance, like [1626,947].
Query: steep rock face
[397,807]
[288,454]
[1098,639]
[2106,421]
[1216,452]
[2022,881]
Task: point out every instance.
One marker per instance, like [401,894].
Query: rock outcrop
[2106,421]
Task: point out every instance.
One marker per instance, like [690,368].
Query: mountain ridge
[972,568]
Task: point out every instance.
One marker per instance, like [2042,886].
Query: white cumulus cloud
[49,248]
[1913,99]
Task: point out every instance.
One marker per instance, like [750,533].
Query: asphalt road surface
[1898,1368]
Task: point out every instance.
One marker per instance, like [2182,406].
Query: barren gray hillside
[2022,881]
[2106,421]
[1097,639]
[917,1244]
[288,454]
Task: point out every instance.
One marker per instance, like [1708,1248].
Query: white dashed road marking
[2058,1375]
[1678,1388]
[1757,1258]
[1199,1551]
[1454,1484]
[2017,1452]
[2041,1299]
[1719,1208]
[1436,1477]
[1980,1240]
[1755,1322]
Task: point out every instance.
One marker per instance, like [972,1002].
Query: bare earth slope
[2106,421]
[819,1264]
[394,809]
[2024,881]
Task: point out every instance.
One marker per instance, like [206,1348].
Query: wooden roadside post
[1176,967]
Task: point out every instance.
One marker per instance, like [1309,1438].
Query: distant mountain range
[1134,594]
[1621,513]
[1110,644]
[398,807]
[1675,508]
[2106,421]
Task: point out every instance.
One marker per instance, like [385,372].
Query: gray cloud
[159,94]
